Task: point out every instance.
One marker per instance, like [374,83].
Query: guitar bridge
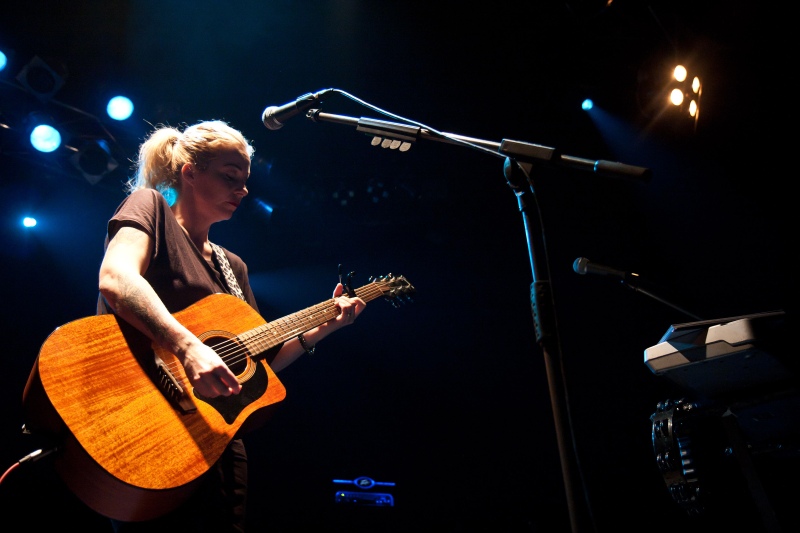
[172,389]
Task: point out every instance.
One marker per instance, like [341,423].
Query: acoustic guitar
[133,438]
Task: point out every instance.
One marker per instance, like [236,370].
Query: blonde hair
[167,149]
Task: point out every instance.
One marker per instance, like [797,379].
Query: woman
[159,260]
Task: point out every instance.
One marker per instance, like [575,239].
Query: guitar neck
[262,338]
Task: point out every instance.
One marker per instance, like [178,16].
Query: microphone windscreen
[579,266]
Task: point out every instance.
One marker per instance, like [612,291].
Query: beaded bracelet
[309,350]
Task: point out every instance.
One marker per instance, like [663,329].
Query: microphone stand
[519,160]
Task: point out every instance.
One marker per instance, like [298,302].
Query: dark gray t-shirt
[177,271]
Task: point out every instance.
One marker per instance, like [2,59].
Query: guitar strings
[234,350]
[302,320]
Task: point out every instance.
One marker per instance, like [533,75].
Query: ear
[187,173]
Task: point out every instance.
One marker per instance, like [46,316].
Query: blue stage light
[45,138]
[120,108]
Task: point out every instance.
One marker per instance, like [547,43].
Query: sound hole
[232,353]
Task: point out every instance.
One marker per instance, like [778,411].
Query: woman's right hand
[208,373]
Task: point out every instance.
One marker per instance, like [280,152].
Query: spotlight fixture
[119,108]
[94,160]
[41,79]
[669,93]
[42,131]
[685,94]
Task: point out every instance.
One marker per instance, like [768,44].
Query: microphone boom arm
[518,150]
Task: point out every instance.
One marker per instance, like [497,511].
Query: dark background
[448,396]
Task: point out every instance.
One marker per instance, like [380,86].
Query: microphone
[274,117]
[584,266]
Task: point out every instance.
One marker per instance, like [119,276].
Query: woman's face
[221,185]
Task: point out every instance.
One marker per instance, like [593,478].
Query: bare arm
[349,309]
[134,300]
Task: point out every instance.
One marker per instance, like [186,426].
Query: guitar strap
[230,279]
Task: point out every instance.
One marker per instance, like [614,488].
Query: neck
[198,233]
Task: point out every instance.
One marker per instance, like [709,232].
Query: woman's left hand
[349,308]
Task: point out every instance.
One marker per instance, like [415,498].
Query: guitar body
[130,446]
[133,437]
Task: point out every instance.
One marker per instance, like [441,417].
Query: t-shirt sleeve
[142,209]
